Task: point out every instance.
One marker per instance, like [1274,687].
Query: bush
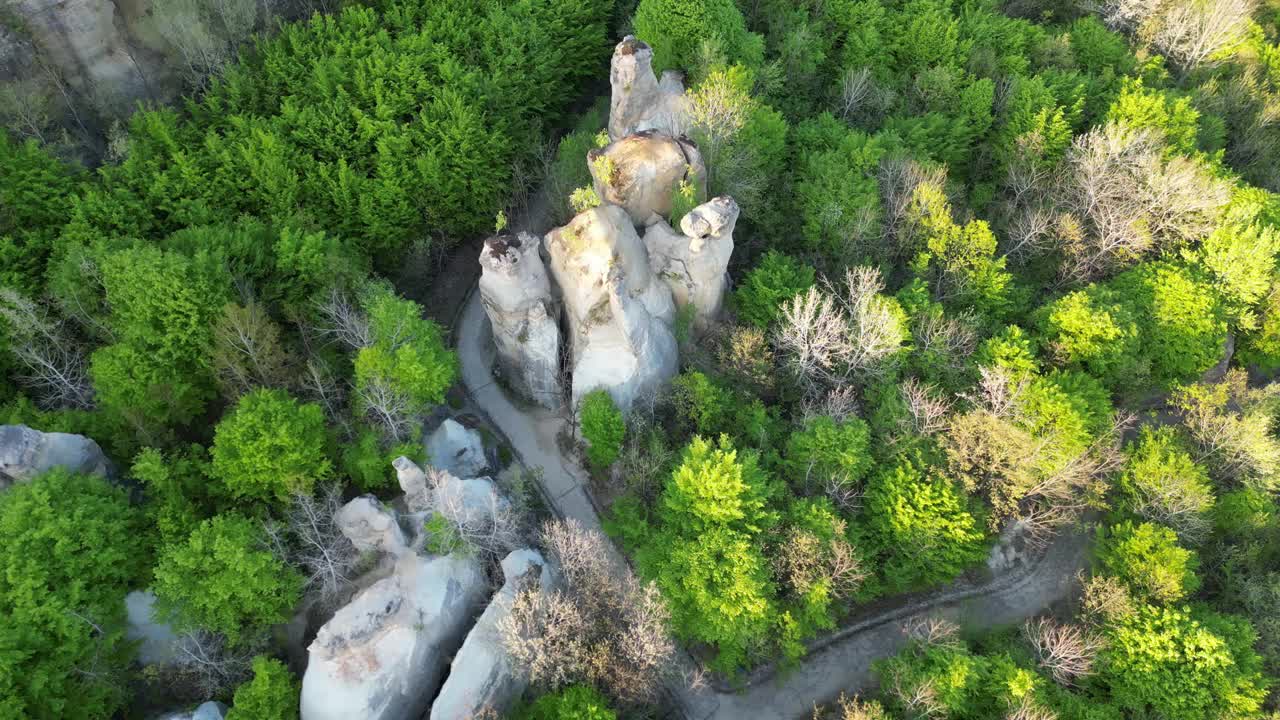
[1147,558]
[72,548]
[576,702]
[825,450]
[272,694]
[602,427]
[1163,484]
[271,447]
[777,279]
[222,580]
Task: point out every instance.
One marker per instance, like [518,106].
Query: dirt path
[843,665]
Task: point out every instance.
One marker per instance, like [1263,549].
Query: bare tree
[205,34]
[1067,652]
[54,367]
[1125,15]
[1191,32]
[605,628]
[927,407]
[1104,600]
[487,522]
[931,630]
[899,177]
[246,350]
[308,537]
[804,561]
[387,407]
[1232,426]
[208,665]
[344,320]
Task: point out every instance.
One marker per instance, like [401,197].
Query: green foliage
[1174,118]
[575,702]
[272,694]
[366,459]
[1162,483]
[678,29]
[1148,560]
[35,194]
[777,279]
[443,537]
[178,490]
[603,428]
[704,404]
[1095,330]
[1182,665]
[915,527]
[271,447]
[825,449]
[838,197]
[73,547]
[222,580]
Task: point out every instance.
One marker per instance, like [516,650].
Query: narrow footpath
[842,665]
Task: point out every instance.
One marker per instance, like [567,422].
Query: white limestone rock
[25,453]
[642,172]
[371,527]
[693,262]
[413,482]
[470,502]
[516,293]
[383,655]
[457,449]
[483,675]
[157,643]
[639,102]
[619,313]
[211,710]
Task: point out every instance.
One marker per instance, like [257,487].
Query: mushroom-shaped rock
[693,262]
[483,675]
[619,313]
[413,482]
[383,655]
[639,102]
[642,172]
[516,293]
[371,527]
[25,453]
[457,449]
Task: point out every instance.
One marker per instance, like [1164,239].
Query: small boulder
[371,527]
[457,450]
[413,482]
[25,453]
[483,676]
[382,656]
[210,711]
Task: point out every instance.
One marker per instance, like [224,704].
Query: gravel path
[843,665]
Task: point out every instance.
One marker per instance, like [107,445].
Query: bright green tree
[576,702]
[271,446]
[603,428]
[825,449]
[777,279]
[1148,560]
[677,29]
[223,580]
[272,694]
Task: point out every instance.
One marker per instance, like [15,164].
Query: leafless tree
[812,336]
[26,107]
[1125,15]
[899,177]
[951,339]
[343,319]
[931,630]
[1028,708]
[1191,32]
[1232,426]
[856,89]
[839,403]
[209,665]
[307,537]
[491,526]
[927,407]
[54,367]
[246,350]
[919,699]
[387,407]
[1067,652]
[1177,502]
[204,33]
[1104,600]
[998,392]
[319,385]
[803,561]
[605,628]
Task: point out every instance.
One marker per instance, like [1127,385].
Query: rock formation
[642,172]
[516,293]
[483,676]
[693,262]
[25,453]
[457,449]
[639,102]
[413,482]
[370,527]
[620,315]
[206,711]
[382,656]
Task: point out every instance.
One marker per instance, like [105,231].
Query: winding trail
[836,664]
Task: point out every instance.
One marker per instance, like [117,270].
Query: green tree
[677,30]
[73,547]
[824,450]
[272,694]
[1162,483]
[35,193]
[1183,326]
[223,580]
[576,702]
[603,428]
[777,279]
[1093,329]
[270,447]
[1147,558]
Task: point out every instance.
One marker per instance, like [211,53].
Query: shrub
[677,29]
[602,427]
[576,702]
[272,694]
[271,446]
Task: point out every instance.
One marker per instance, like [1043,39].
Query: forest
[1004,269]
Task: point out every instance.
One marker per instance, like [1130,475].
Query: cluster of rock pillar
[619,272]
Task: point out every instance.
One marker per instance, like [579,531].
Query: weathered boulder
[371,527]
[483,675]
[457,449]
[211,710]
[25,453]
[469,502]
[413,482]
[516,293]
[157,643]
[383,655]
[619,313]
[694,261]
[642,172]
[639,102]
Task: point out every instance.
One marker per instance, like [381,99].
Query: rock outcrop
[383,655]
[370,527]
[457,449]
[694,261]
[483,676]
[620,314]
[25,453]
[516,293]
[639,101]
[642,172]
[413,482]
